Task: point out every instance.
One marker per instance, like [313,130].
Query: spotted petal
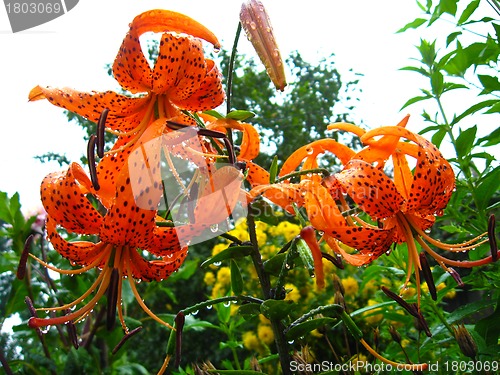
[80,252]
[124,112]
[433,178]
[64,198]
[130,68]
[370,188]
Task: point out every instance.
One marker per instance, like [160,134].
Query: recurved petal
[433,178]
[357,259]
[156,270]
[250,143]
[160,20]
[256,175]
[321,209]
[369,242]
[64,198]
[91,104]
[80,252]
[131,68]
[284,195]
[208,95]
[370,188]
[312,150]
[180,65]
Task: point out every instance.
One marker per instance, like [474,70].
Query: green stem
[439,314]
[322,171]
[230,72]
[276,325]
[216,301]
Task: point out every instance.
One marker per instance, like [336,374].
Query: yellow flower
[209,278]
[450,294]
[251,341]
[351,286]
[265,333]
[224,276]
[286,229]
[264,320]
[234,309]
[294,294]
[219,290]
[316,333]
[409,292]
[219,247]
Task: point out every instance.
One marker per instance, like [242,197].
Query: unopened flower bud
[465,341]
[395,334]
[255,21]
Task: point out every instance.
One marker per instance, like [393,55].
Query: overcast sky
[72,51]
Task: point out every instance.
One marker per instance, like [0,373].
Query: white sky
[72,51]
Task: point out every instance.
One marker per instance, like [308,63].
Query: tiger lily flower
[129,228]
[404,207]
[181,79]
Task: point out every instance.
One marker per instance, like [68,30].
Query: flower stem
[277,326]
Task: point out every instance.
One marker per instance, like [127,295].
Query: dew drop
[217,264]
[227,303]
[214,228]
[253,25]
[209,307]
[195,312]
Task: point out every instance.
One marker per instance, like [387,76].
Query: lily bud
[255,21]
[465,341]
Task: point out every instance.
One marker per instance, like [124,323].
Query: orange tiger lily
[181,79]
[405,206]
[129,228]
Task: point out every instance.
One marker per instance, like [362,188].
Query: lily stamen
[91,158]
[100,132]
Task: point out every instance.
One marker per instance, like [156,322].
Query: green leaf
[468,12]
[249,310]
[240,115]
[450,38]
[438,137]
[186,271]
[274,309]
[273,265]
[475,108]
[465,141]
[303,328]
[487,188]
[471,308]
[489,83]
[428,52]
[491,139]
[236,279]
[415,100]
[230,252]
[495,108]
[416,70]
[214,113]
[305,255]
[437,83]
[415,24]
